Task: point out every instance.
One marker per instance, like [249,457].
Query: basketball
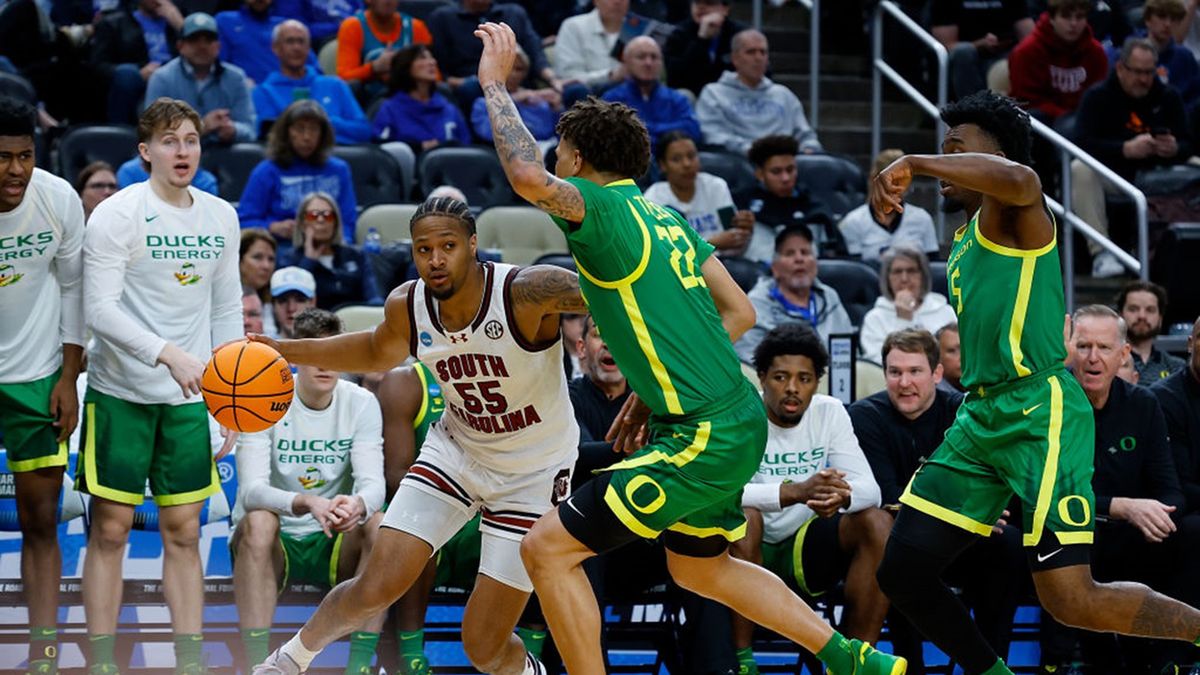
[247,386]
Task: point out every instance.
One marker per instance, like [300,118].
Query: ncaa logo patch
[493,329]
[426,338]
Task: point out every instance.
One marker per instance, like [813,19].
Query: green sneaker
[416,665]
[103,669]
[871,661]
[747,668]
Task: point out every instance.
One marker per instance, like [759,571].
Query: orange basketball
[247,386]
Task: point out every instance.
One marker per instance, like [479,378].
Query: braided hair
[447,207]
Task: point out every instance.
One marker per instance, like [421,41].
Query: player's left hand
[64,405]
[888,188]
[499,52]
[230,437]
[628,430]
[347,512]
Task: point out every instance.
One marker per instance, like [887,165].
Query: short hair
[447,207]
[793,338]
[1060,7]
[793,230]
[1169,9]
[298,233]
[288,23]
[17,118]
[951,327]
[997,116]
[91,170]
[609,136]
[884,159]
[400,76]
[1132,43]
[665,141]
[735,43]
[763,149]
[279,145]
[166,113]
[1136,286]
[1101,312]
[316,323]
[913,341]
[911,253]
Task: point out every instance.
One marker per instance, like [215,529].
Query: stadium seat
[869,378]
[563,260]
[403,154]
[522,233]
[377,176]
[736,171]
[327,58]
[390,220]
[474,170]
[232,166]
[359,317]
[937,277]
[745,272]
[836,181]
[83,145]
[856,282]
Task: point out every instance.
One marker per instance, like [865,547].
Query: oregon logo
[9,276]
[186,276]
[311,479]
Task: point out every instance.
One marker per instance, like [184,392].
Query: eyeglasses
[322,214]
[100,186]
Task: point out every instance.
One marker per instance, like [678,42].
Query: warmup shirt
[153,274]
[41,279]
[823,439]
[330,452]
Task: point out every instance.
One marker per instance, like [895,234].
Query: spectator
[1128,370]
[779,201]
[343,274]
[95,183]
[700,48]
[793,293]
[746,105]
[416,113]
[130,42]
[293,290]
[137,170]
[702,198]
[812,509]
[298,162]
[661,108]
[246,39]
[256,264]
[252,313]
[368,41]
[1132,122]
[906,301]
[312,522]
[1142,305]
[539,108]
[899,429]
[1179,396]
[867,236]
[297,79]
[950,349]
[1176,65]
[217,90]
[1187,29]
[589,46]
[978,35]
[1052,67]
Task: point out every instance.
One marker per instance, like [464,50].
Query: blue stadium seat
[736,171]
[857,283]
[745,272]
[474,170]
[83,145]
[376,174]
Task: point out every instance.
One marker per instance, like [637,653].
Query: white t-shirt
[330,452]
[712,195]
[867,238]
[41,279]
[823,438]
[153,274]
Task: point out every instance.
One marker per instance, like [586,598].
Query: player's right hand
[186,370]
[888,188]
[499,52]
[1150,516]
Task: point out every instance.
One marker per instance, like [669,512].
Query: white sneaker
[1106,265]
[277,663]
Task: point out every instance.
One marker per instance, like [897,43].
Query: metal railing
[814,54]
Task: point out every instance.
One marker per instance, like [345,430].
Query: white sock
[297,652]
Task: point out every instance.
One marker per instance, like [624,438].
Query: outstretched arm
[518,151]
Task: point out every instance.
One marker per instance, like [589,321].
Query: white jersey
[153,274]
[507,404]
[703,212]
[330,452]
[41,279]
[824,438]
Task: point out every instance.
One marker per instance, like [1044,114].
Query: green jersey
[1010,308]
[432,404]
[639,271]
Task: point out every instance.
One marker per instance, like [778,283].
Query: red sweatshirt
[1050,74]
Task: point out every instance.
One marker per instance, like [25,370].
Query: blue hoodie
[664,110]
[538,117]
[404,118]
[246,42]
[274,193]
[278,91]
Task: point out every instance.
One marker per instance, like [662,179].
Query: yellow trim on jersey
[703,532]
[670,396]
[424,396]
[1014,252]
[89,464]
[679,459]
[637,271]
[798,558]
[194,496]
[1016,326]
[1068,538]
[1050,469]
[944,514]
[333,559]
[57,459]
[623,514]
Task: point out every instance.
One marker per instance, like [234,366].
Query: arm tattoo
[565,202]
[514,143]
[549,287]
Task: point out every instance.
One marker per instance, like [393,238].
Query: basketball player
[667,310]
[1026,426]
[41,351]
[161,287]
[506,444]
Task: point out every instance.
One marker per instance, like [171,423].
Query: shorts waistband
[984,391]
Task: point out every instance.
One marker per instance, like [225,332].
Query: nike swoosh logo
[1044,558]
[571,503]
[259,633]
[1029,410]
[150,218]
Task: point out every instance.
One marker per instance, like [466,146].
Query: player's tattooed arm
[552,289]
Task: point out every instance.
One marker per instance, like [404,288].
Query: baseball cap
[198,22]
[295,279]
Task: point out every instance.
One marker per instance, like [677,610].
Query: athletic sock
[746,663]
[412,643]
[998,669]
[257,644]
[298,653]
[362,652]
[188,648]
[102,660]
[43,649]
[837,654]
[533,639]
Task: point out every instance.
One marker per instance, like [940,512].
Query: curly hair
[279,146]
[610,136]
[763,149]
[17,118]
[791,339]
[316,323]
[447,207]
[997,116]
